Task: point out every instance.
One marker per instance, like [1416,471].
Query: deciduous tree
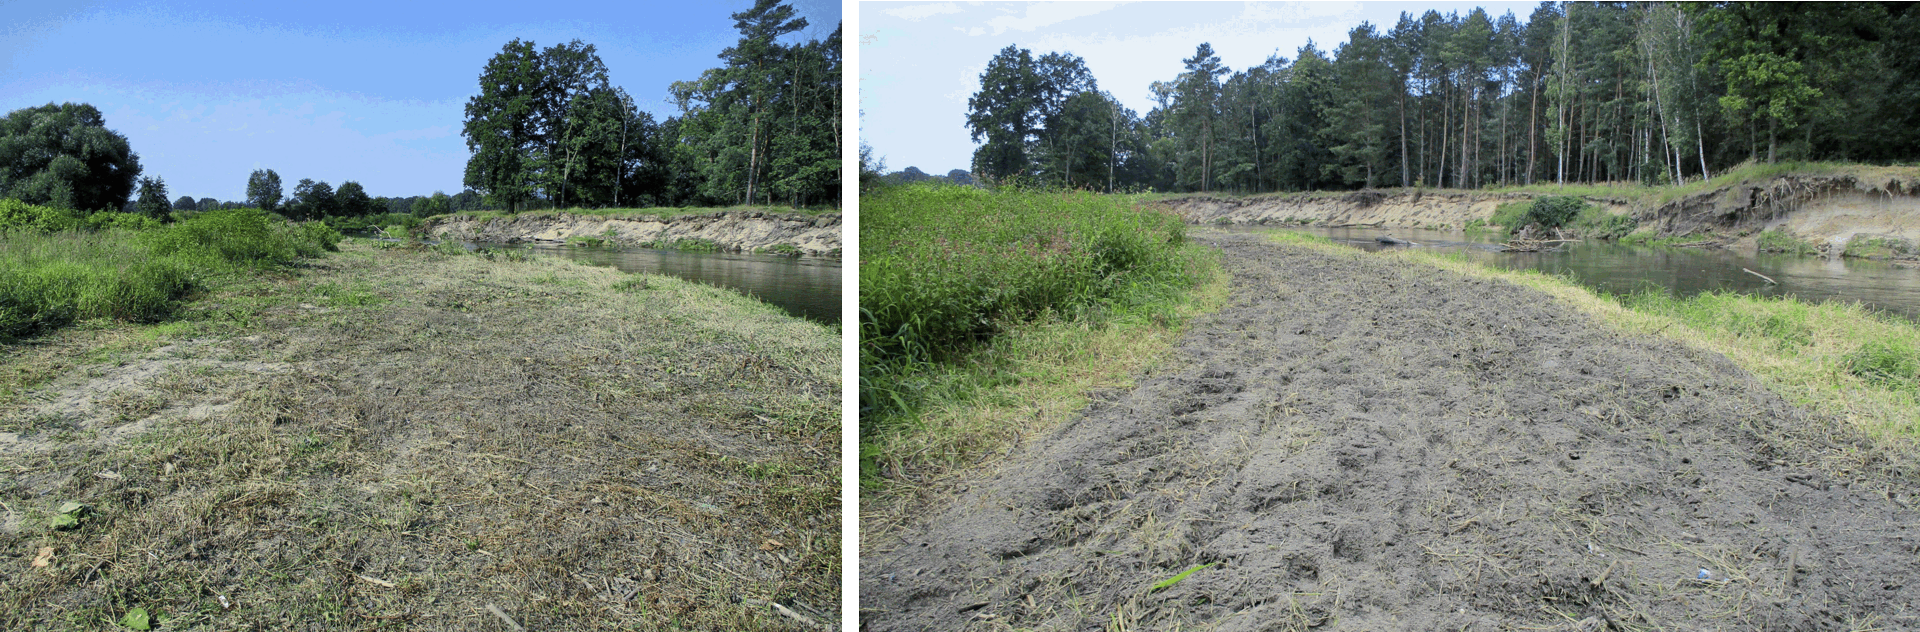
[64,156]
[263,189]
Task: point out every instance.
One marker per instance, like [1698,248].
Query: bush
[242,237]
[1596,223]
[311,238]
[116,220]
[1555,211]
[1511,216]
[16,215]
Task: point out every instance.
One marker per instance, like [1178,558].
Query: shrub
[1555,211]
[1511,216]
[1596,223]
[115,220]
[16,215]
[243,236]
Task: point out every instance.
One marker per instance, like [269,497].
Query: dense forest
[1577,92]
[547,129]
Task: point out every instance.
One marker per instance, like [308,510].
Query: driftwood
[1768,279]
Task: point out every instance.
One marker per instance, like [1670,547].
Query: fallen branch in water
[1767,278]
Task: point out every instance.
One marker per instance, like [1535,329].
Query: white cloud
[1300,13]
[1041,14]
[920,12]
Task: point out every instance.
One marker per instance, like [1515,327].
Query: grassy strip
[1838,359]
[945,268]
[1028,380]
[407,436]
[51,279]
[990,316]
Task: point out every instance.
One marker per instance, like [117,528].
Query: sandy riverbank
[740,231]
[1360,443]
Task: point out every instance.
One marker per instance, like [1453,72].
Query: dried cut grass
[542,438]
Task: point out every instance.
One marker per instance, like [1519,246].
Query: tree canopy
[263,189]
[548,128]
[65,157]
[1575,92]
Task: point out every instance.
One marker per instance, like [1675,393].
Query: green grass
[1778,240]
[52,279]
[1879,247]
[1647,238]
[1841,360]
[945,268]
[987,317]
[689,245]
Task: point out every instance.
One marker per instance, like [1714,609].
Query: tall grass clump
[135,269]
[945,268]
[49,280]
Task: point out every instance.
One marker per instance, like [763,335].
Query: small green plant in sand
[1779,240]
[685,244]
[1879,247]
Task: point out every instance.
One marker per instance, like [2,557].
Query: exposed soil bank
[731,230]
[404,439]
[1354,443]
[1385,209]
[1828,210]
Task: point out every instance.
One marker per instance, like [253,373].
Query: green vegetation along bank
[986,316]
[395,436]
[777,231]
[58,267]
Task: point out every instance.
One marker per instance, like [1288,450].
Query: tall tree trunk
[1702,140]
[1404,182]
[1533,126]
[1446,134]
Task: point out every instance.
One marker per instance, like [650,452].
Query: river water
[1614,268]
[808,287]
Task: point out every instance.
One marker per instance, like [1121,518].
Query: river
[1614,268]
[808,287]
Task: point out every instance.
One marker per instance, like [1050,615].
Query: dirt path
[1355,443]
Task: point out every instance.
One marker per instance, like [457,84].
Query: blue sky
[920,61]
[373,92]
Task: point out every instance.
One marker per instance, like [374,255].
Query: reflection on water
[1614,268]
[808,287]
